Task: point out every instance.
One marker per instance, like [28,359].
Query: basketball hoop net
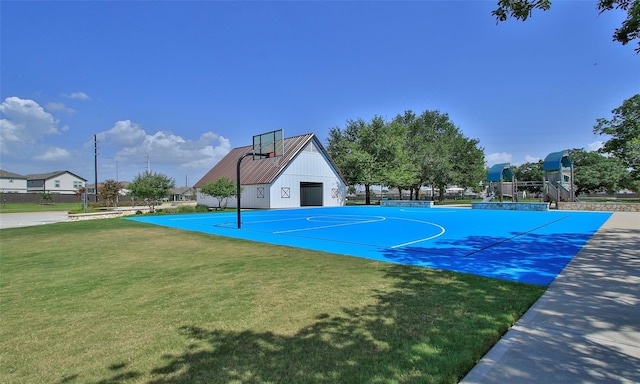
[275,160]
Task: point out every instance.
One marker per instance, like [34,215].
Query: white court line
[276,220]
[220,215]
[375,220]
[442,231]
[379,218]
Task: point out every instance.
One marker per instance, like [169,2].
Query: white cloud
[123,134]
[163,149]
[54,154]
[591,147]
[531,159]
[497,158]
[79,96]
[59,107]
[24,122]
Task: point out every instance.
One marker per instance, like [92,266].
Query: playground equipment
[558,177]
[502,182]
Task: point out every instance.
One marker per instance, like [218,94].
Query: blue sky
[176,85]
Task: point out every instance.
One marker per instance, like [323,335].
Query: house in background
[12,182]
[124,188]
[62,182]
[182,194]
[304,176]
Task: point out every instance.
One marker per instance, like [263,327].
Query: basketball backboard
[270,144]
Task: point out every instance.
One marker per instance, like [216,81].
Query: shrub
[201,208]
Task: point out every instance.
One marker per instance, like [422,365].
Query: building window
[77,184]
[57,183]
[285,192]
[260,192]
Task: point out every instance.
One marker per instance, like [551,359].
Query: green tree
[222,189]
[442,154]
[109,191]
[468,163]
[406,153]
[631,183]
[151,186]
[363,152]
[423,147]
[401,173]
[629,31]
[597,173]
[383,143]
[624,130]
[530,172]
[342,147]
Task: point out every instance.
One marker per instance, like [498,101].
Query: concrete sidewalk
[17,220]
[586,327]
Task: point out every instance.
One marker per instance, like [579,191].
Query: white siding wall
[309,166]
[206,200]
[64,185]
[254,196]
[10,185]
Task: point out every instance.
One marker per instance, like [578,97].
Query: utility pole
[95,164]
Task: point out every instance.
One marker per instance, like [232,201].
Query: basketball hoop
[269,145]
[275,160]
[265,145]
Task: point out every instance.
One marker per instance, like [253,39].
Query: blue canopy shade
[500,172]
[556,161]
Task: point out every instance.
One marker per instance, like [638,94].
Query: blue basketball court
[529,247]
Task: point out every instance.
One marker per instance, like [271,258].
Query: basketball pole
[238,190]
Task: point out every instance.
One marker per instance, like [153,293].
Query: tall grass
[115,301]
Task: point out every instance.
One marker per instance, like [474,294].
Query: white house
[12,182]
[305,176]
[62,182]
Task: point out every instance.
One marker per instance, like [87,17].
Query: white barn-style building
[305,176]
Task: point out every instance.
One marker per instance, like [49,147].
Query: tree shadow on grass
[122,374]
[416,333]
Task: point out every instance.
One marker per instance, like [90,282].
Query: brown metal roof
[259,171]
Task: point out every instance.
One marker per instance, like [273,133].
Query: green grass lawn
[34,207]
[115,301]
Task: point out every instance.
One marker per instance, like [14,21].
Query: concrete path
[586,327]
[16,220]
